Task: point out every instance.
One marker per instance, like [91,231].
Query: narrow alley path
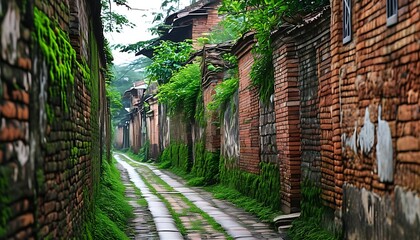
[166,208]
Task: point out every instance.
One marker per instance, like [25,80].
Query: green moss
[61,60]
[264,187]
[40,177]
[5,211]
[206,164]
[176,156]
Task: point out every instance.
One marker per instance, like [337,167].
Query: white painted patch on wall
[10,33]
[384,150]
[367,134]
[410,204]
[350,142]
[22,152]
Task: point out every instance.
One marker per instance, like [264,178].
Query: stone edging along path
[235,222]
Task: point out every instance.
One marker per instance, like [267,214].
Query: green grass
[251,205]
[112,210]
[311,225]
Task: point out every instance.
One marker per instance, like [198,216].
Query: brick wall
[286,97]
[314,64]
[302,69]
[204,24]
[135,131]
[16,167]
[212,130]
[154,129]
[119,137]
[248,107]
[375,79]
[212,55]
[49,167]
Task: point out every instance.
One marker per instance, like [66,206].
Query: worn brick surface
[51,165]
[248,107]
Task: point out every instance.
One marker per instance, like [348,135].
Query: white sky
[142,20]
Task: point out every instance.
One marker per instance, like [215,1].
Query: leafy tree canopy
[168,58]
[181,92]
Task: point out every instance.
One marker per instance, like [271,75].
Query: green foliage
[265,187]
[197,181]
[168,58]
[205,164]
[112,209]
[181,92]
[229,29]
[309,224]
[114,99]
[199,116]
[142,155]
[111,20]
[262,73]
[224,93]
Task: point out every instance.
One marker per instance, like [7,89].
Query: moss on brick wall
[176,154]
[206,164]
[264,187]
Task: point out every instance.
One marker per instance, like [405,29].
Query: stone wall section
[267,131]
[314,62]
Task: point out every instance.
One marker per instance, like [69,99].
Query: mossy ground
[112,210]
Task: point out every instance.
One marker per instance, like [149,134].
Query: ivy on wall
[262,17]
[181,92]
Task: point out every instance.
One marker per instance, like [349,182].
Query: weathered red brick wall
[375,81]
[212,131]
[312,45]
[154,129]
[248,107]
[17,182]
[212,55]
[287,101]
[204,24]
[119,137]
[301,61]
[50,165]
